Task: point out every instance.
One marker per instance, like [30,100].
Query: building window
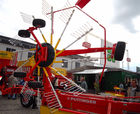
[77,64]
[10,49]
[30,54]
[65,63]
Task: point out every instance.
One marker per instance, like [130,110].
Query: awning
[90,71]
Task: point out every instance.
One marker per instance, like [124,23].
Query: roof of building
[15,42]
[28,45]
[97,69]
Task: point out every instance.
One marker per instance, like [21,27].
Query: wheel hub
[48,56]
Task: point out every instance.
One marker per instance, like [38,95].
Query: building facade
[13,45]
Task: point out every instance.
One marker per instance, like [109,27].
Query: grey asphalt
[9,106]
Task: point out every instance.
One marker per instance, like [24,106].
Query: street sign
[128,59]
[86,45]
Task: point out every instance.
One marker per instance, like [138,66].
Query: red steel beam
[82,51]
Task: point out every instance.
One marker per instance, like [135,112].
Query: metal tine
[52,102]
[54,109]
[46,8]
[79,34]
[49,92]
[69,85]
[46,94]
[65,82]
[85,27]
[67,4]
[50,99]
[67,88]
[65,14]
[77,93]
[46,4]
[77,90]
[71,88]
[81,30]
[88,25]
[64,17]
[26,18]
[75,34]
[55,105]
[50,95]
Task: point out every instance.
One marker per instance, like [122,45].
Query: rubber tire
[20,74]
[24,33]
[35,84]
[50,57]
[119,51]
[28,104]
[39,23]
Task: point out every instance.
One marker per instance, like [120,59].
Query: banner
[110,62]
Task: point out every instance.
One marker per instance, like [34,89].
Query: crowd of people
[130,88]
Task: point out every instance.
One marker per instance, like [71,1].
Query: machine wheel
[26,100]
[119,51]
[39,23]
[50,55]
[20,74]
[24,33]
[34,84]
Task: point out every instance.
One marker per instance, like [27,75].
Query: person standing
[12,82]
[133,88]
[83,83]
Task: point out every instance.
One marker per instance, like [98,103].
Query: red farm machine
[70,98]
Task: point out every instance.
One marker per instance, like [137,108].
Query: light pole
[128,59]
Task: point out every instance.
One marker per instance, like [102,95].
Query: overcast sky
[120,17]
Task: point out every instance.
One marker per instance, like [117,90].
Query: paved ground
[9,106]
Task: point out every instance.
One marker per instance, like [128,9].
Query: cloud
[1,3]
[125,12]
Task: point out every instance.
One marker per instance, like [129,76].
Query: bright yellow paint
[58,61]
[51,39]
[38,68]
[60,52]
[30,63]
[57,43]
[46,110]
[45,71]
[115,94]
[60,70]
[44,38]
[6,55]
